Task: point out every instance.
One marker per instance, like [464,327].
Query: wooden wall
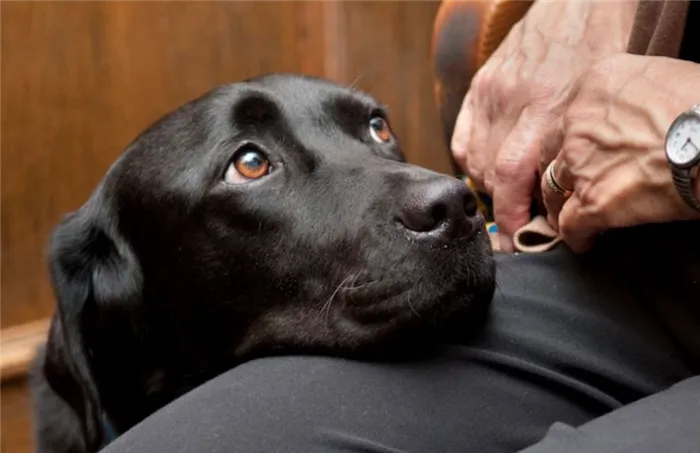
[81,79]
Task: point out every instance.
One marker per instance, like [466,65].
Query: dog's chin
[427,303]
[385,313]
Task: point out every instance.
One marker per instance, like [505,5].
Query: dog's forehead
[297,98]
[185,147]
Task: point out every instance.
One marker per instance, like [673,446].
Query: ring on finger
[554,184]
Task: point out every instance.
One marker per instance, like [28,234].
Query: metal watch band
[682,178]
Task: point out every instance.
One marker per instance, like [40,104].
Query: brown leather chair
[465,34]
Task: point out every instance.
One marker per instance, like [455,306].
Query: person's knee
[271,404]
[309,403]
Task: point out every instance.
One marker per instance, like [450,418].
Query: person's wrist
[609,25]
[599,28]
[579,33]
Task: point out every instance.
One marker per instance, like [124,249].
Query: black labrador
[271,216]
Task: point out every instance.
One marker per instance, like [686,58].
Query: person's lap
[566,341]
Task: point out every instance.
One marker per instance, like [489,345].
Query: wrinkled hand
[522,89]
[609,147]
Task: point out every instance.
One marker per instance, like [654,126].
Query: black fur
[168,275]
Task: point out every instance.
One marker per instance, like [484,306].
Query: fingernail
[505,243]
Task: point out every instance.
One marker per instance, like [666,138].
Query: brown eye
[248,163]
[379,130]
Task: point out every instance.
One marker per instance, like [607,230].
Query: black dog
[271,216]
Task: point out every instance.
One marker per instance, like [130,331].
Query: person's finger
[506,101]
[516,177]
[576,228]
[467,143]
[552,204]
[498,133]
[552,143]
[482,150]
[556,188]
[462,132]
[479,153]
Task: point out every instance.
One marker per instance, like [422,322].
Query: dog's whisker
[327,305]
[410,305]
[360,286]
[354,280]
[357,79]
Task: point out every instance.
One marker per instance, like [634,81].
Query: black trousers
[592,353]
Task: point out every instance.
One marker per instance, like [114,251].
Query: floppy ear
[92,268]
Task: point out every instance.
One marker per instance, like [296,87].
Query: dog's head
[272,213]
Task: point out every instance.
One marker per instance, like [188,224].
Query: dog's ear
[92,269]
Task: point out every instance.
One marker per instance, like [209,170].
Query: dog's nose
[444,208]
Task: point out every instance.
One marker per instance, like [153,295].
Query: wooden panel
[81,79]
[15,425]
[19,345]
[386,51]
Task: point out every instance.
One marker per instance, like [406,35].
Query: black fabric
[570,339]
[690,47]
[665,422]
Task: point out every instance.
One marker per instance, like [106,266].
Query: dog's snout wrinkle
[442,208]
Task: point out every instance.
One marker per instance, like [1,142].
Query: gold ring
[553,184]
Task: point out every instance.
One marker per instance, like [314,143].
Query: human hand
[608,148]
[522,89]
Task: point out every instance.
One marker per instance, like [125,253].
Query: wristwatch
[683,153]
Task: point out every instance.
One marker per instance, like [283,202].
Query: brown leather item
[465,35]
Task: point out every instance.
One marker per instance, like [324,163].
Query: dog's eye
[248,164]
[379,130]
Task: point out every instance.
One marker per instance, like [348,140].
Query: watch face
[683,142]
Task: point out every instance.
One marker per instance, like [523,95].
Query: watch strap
[683,179]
